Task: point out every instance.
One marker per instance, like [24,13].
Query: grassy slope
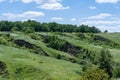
[52,68]
[50,51]
[115,37]
[36,66]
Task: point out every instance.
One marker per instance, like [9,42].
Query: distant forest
[45,27]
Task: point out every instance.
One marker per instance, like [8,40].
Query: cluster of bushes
[103,41]
[35,36]
[97,40]
[79,52]
[31,26]
[104,70]
[5,39]
[55,43]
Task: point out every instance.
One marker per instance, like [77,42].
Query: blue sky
[103,14]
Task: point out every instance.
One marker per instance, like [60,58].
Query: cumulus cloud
[57,18]
[102,22]
[45,4]
[24,15]
[53,6]
[92,7]
[100,16]
[73,19]
[111,25]
[40,1]
[106,1]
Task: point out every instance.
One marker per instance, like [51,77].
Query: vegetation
[94,74]
[31,26]
[106,62]
[49,51]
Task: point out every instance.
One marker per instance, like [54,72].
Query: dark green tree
[105,31]
[29,30]
[47,27]
[106,62]
[14,29]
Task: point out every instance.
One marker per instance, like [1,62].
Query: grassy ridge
[87,44]
[25,64]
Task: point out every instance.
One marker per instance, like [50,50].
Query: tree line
[45,27]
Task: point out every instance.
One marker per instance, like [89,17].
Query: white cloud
[46,4]
[28,1]
[25,15]
[111,25]
[110,28]
[57,18]
[102,22]
[73,19]
[106,1]
[53,6]
[92,7]
[100,16]
[40,1]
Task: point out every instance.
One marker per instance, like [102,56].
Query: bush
[35,36]
[81,35]
[94,74]
[106,62]
[3,41]
[14,29]
[55,43]
[29,30]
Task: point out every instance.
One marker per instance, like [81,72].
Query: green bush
[94,74]
[29,30]
[35,36]
[106,62]
[3,41]
[81,35]
[14,29]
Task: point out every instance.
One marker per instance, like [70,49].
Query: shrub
[3,41]
[35,36]
[94,74]
[106,62]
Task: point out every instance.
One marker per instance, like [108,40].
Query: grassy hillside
[33,57]
[88,43]
[22,64]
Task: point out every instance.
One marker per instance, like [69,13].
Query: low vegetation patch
[3,69]
[34,48]
[77,51]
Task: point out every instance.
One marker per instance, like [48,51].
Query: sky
[103,14]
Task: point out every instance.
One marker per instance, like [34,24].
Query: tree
[106,62]
[94,74]
[105,31]
[14,29]
[29,30]
[47,27]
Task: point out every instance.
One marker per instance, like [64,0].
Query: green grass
[71,38]
[50,51]
[25,65]
[115,37]
[52,68]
